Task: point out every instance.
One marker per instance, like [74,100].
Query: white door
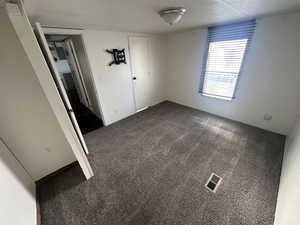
[139,55]
[77,73]
[51,63]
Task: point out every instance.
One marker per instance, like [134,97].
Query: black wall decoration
[118,56]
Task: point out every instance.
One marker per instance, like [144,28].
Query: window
[227,46]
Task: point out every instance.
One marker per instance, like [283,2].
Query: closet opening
[71,62]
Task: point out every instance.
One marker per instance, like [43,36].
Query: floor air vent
[213,182]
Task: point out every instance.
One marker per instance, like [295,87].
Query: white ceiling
[141,15]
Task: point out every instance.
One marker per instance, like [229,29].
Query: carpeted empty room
[149,112]
[152,167]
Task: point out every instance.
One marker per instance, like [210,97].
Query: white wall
[269,83]
[18,203]
[288,201]
[114,83]
[28,124]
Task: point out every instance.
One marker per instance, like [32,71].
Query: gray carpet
[151,168]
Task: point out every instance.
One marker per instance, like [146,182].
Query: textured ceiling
[141,15]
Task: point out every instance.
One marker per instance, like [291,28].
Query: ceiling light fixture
[172,15]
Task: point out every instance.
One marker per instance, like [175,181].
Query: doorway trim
[80,32]
[60,87]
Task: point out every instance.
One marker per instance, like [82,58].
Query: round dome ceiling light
[172,15]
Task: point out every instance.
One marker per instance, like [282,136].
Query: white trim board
[62,31]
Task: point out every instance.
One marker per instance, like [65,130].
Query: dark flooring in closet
[151,168]
[86,119]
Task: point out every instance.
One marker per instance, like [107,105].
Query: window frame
[205,61]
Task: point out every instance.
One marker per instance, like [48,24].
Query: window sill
[227,99]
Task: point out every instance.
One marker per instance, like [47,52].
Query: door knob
[134,78]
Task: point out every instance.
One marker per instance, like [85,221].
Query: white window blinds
[227,46]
